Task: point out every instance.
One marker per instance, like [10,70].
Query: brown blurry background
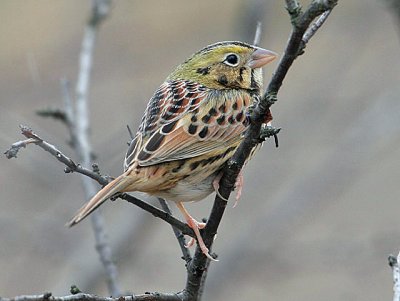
[318,216]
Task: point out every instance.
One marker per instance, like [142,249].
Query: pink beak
[261,57]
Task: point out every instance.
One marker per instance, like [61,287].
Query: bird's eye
[231,60]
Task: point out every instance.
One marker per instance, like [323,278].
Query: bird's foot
[195,225]
[192,240]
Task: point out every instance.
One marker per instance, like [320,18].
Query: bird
[192,125]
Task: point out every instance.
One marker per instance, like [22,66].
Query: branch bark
[178,234]
[90,297]
[79,126]
[71,166]
[301,23]
[394,264]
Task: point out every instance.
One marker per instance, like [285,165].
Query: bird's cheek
[257,77]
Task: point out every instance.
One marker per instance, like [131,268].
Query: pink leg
[192,240]
[238,186]
[216,186]
[195,225]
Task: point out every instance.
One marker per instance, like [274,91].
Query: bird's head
[226,65]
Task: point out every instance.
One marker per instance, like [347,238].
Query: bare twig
[79,126]
[394,8]
[69,110]
[53,113]
[204,278]
[90,297]
[71,166]
[130,132]
[178,234]
[300,25]
[394,264]
[315,26]
[313,29]
[294,9]
[257,35]
[184,228]
[15,147]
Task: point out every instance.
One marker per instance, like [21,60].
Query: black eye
[232,59]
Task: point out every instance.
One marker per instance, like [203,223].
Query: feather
[115,186]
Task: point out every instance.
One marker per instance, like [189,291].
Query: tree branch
[178,234]
[257,35]
[78,122]
[394,264]
[71,166]
[300,25]
[90,297]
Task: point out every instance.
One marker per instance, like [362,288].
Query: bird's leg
[195,225]
[215,184]
[192,240]
[238,186]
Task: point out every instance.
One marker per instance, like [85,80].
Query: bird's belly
[186,190]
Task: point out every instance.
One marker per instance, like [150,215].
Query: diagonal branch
[178,234]
[300,25]
[71,166]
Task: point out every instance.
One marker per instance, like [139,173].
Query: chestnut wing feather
[184,120]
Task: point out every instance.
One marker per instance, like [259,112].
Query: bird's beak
[261,57]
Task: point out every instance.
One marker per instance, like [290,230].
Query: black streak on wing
[213,112]
[194,165]
[168,128]
[154,142]
[131,152]
[221,120]
[203,132]
[206,118]
[192,129]
[239,117]
[143,156]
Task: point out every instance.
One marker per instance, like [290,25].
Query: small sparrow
[192,125]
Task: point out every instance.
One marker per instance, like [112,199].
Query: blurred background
[318,216]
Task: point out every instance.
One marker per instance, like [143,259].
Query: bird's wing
[184,120]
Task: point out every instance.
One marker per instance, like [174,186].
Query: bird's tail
[115,186]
